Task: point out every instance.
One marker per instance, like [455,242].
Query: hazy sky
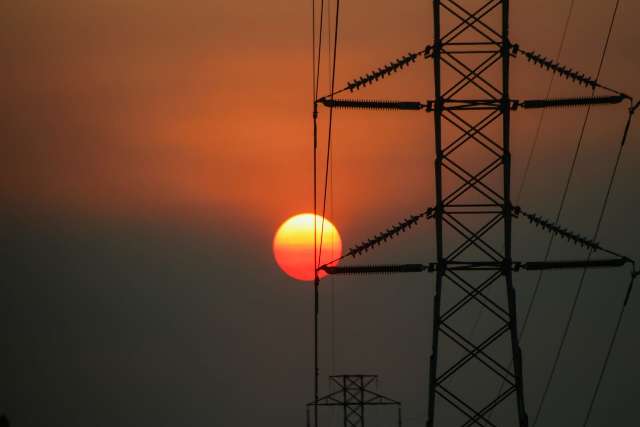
[151,149]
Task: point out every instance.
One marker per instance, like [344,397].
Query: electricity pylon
[472,199]
[473,212]
[354,394]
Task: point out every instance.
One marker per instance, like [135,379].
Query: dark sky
[151,149]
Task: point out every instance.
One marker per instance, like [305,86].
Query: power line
[313,49]
[447,266]
[524,180]
[329,136]
[609,350]
[316,281]
[599,222]
[633,273]
[564,192]
[317,71]
[548,94]
[332,212]
[319,249]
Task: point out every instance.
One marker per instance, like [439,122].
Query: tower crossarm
[478,266]
[471,104]
[354,394]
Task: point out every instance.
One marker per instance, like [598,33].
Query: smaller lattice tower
[354,395]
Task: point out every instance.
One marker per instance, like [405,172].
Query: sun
[293,245]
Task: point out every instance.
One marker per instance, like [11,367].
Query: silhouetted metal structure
[473,193]
[473,212]
[354,394]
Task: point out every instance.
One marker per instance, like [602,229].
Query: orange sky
[137,109]
[177,134]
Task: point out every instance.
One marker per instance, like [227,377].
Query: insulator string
[563,71]
[371,104]
[569,102]
[556,68]
[380,238]
[379,269]
[556,230]
[383,72]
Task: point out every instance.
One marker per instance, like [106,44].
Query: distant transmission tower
[473,212]
[353,395]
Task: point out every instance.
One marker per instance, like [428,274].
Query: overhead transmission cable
[599,222]
[547,95]
[316,83]
[313,50]
[566,187]
[634,274]
[523,183]
[319,55]
[330,130]
[612,342]
[332,212]
[326,178]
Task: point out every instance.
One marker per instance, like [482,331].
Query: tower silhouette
[473,210]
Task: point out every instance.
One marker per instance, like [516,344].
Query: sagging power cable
[330,132]
[612,342]
[599,222]
[634,272]
[547,95]
[316,84]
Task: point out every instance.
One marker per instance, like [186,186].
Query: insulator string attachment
[557,230]
[380,238]
[561,70]
[378,269]
[566,234]
[556,67]
[390,233]
[385,71]
[559,265]
[568,102]
[371,104]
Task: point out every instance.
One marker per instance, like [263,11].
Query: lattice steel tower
[473,199]
[353,395]
[473,211]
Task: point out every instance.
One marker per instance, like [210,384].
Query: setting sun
[293,245]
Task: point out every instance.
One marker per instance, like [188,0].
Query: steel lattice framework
[354,394]
[472,173]
[473,213]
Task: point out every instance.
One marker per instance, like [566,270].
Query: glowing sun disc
[293,245]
